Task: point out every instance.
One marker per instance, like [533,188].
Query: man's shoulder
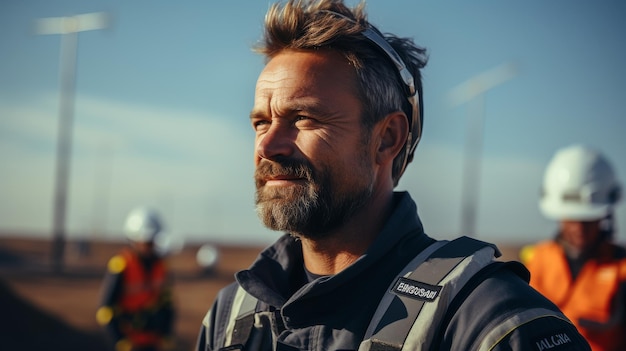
[220,310]
[510,282]
[228,290]
[504,292]
[226,296]
[513,312]
[117,264]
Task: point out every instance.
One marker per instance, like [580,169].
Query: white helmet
[207,257]
[579,184]
[142,225]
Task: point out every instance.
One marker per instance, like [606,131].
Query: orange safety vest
[141,292]
[590,296]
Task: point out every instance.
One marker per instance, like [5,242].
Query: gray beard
[311,210]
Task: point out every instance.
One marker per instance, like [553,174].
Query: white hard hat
[142,224]
[207,256]
[579,184]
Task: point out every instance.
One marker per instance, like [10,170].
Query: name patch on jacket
[416,290]
[557,341]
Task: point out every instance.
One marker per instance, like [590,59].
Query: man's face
[314,166]
[580,235]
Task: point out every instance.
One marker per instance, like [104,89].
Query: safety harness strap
[387,299]
[504,328]
[241,321]
[423,295]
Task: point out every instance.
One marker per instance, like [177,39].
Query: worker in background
[136,306]
[581,270]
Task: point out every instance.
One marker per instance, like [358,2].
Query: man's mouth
[282,180]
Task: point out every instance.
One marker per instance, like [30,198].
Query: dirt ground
[56,311]
[51,311]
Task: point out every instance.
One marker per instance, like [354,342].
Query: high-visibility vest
[591,301]
[140,293]
[431,287]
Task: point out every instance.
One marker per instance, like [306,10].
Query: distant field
[65,303]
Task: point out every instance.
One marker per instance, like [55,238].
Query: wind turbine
[68,27]
[473,90]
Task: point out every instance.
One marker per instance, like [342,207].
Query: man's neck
[339,249]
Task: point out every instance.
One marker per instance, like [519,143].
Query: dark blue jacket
[333,313]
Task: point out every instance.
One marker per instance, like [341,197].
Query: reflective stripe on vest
[445,271]
[241,320]
[500,331]
[388,298]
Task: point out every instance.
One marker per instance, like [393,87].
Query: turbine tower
[473,90]
[68,28]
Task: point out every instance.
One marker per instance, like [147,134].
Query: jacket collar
[278,271]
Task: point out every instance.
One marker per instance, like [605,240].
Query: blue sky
[163,96]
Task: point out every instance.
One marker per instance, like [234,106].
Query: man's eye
[303,119]
[260,124]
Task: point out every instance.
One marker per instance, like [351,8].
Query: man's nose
[278,140]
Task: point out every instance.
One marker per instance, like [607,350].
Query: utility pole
[473,91]
[68,28]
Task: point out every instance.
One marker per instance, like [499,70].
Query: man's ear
[393,131]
